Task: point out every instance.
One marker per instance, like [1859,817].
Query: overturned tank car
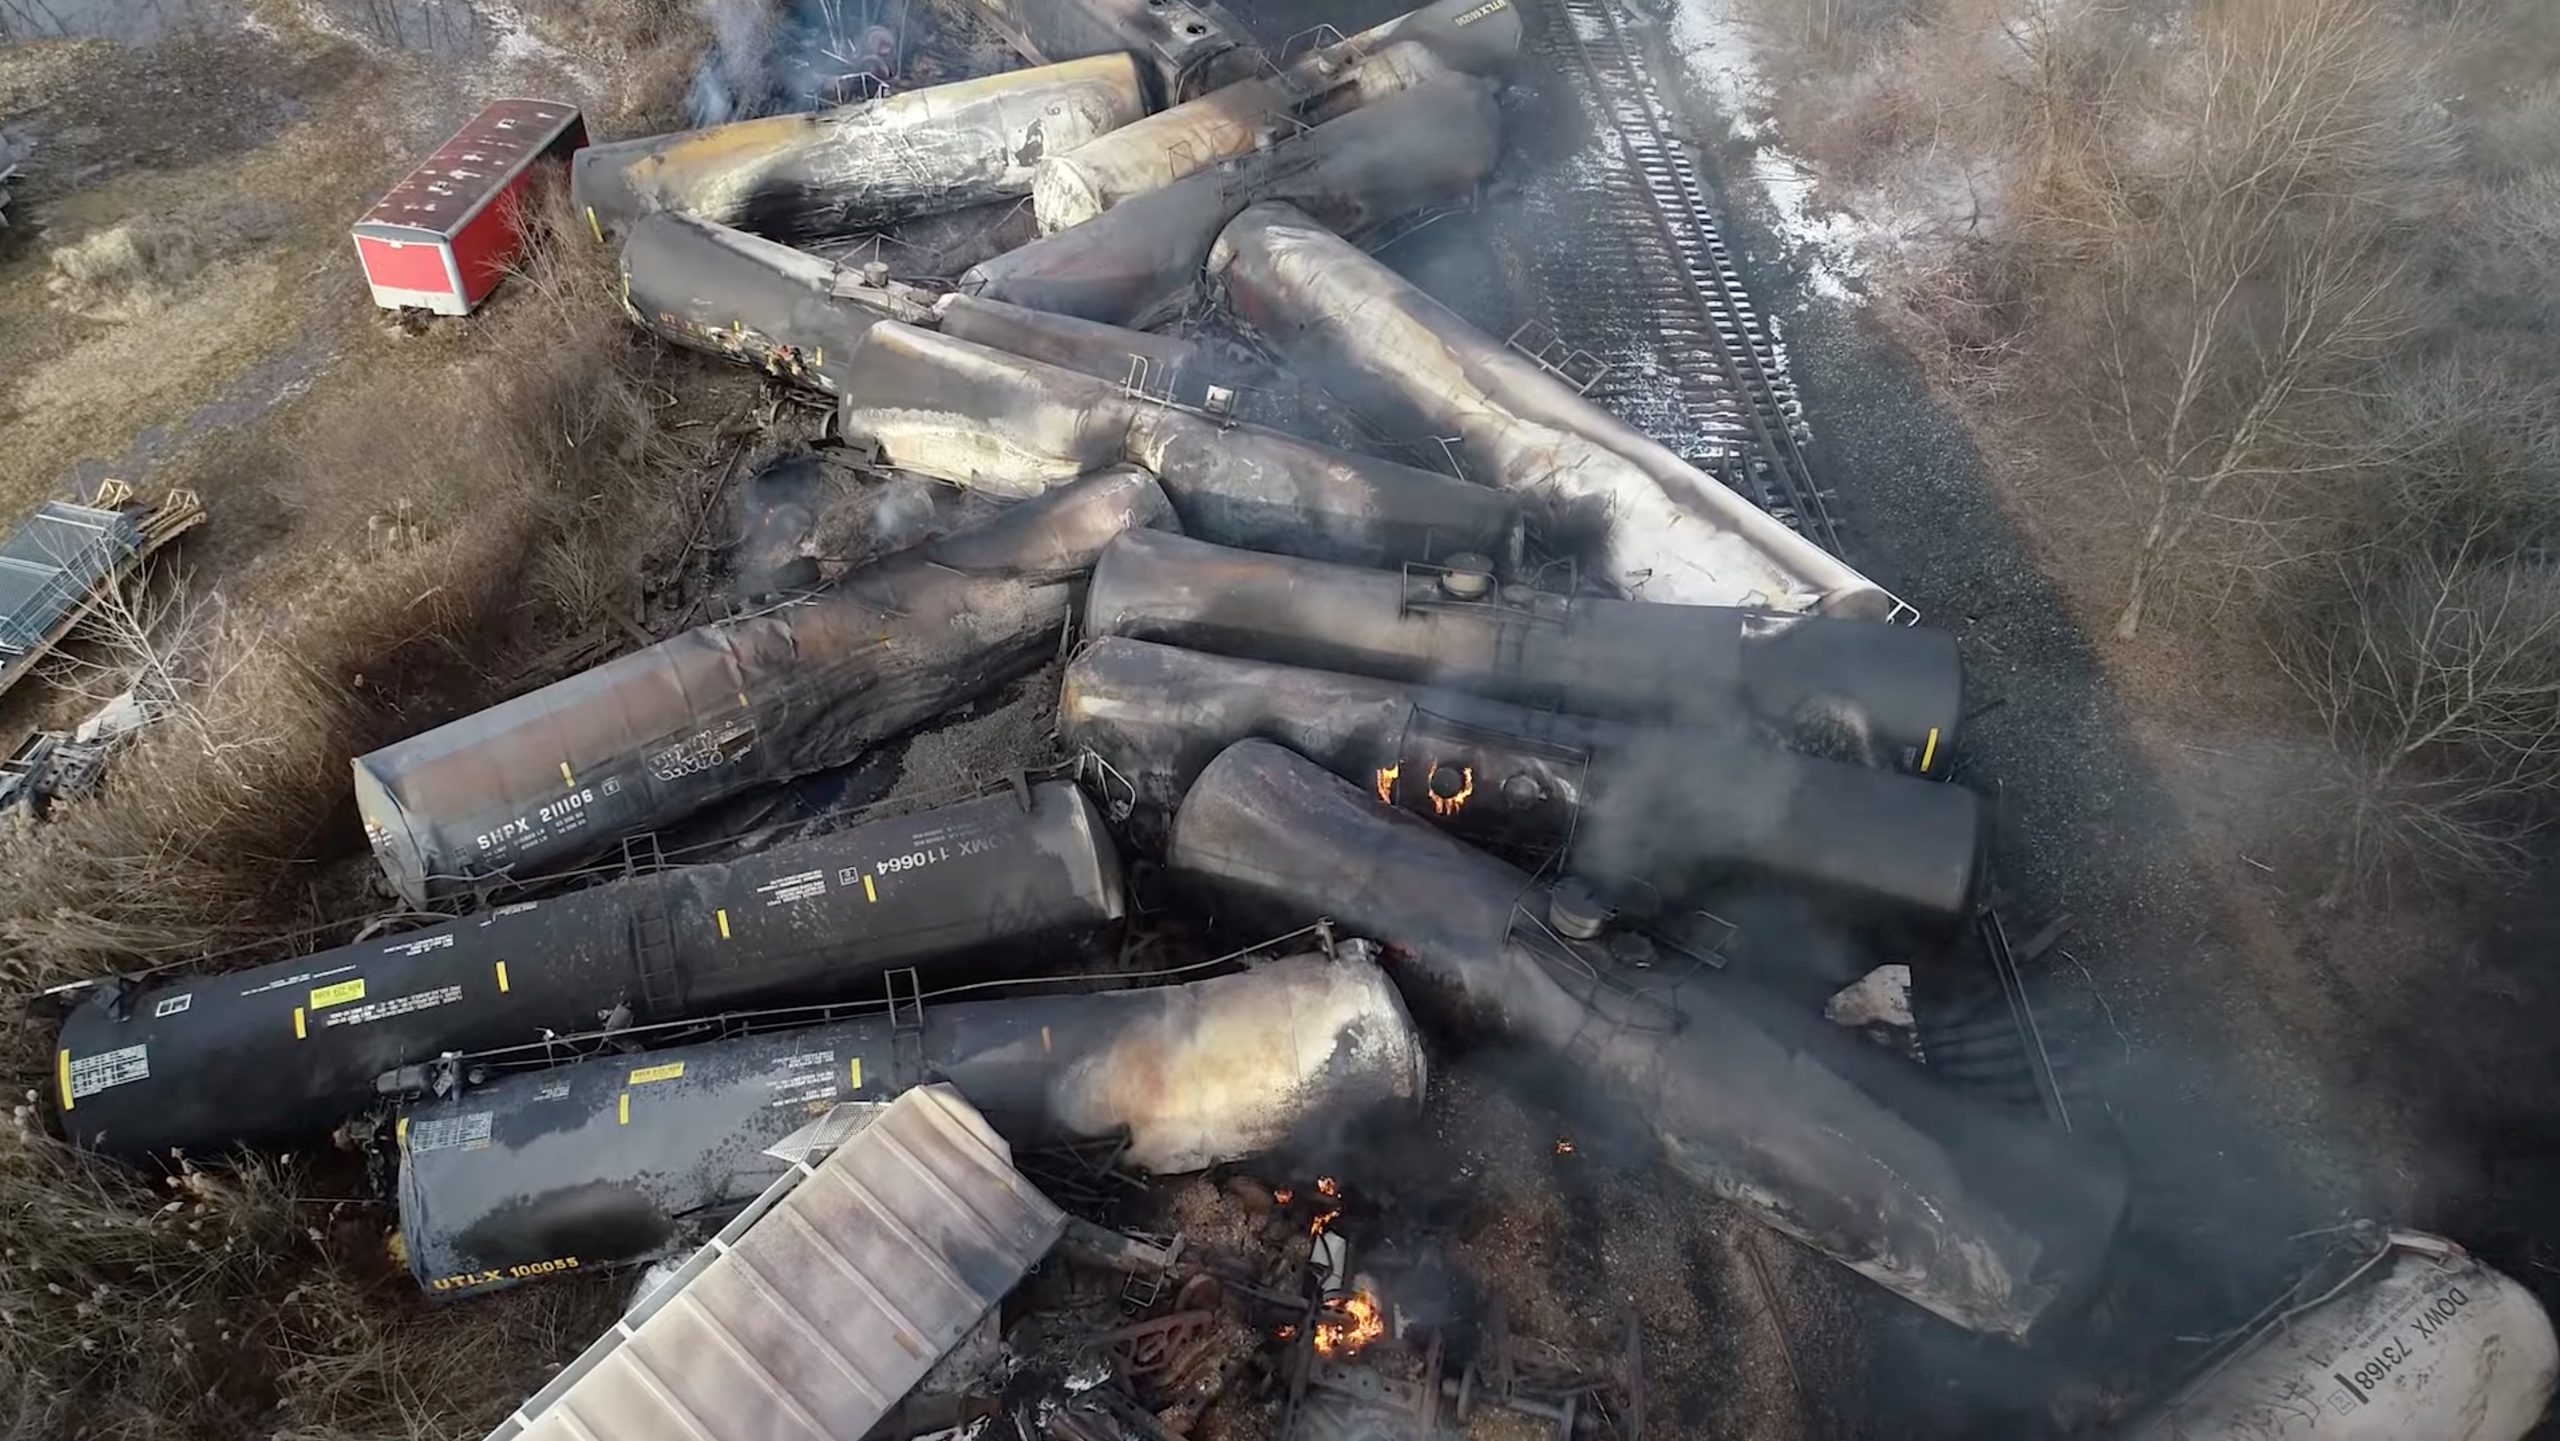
[2416,1339]
[1139,262]
[833,174]
[721,290]
[1073,186]
[1638,812]
[1672,532]
[554,777]
[1182,46]
[614,1159]
[1859,1154]
[960,412]
[281,1053]
[1885,694]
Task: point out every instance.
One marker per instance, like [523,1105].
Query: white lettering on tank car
[420,946]
[383,1010]
[297,980]
[172,1005]
[107,1069]
[452,1133]
[783,890]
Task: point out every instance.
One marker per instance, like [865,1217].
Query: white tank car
[2418,1342]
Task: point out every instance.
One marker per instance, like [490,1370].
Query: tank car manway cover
[811,1314]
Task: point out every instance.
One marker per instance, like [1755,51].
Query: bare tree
[2436,676]
[180,654]
[2249,275]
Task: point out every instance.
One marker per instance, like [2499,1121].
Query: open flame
[1331,1190]
[1328,1186]
[1349,1324]
[1564,1145]
[1450,805]
[1387,782]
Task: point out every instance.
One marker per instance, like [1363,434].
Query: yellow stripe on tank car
[300,1032]
[502,978]
[722,916]
[1929,752]
[62,1073]
[622,1110]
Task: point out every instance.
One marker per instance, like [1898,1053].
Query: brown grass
[225,1306]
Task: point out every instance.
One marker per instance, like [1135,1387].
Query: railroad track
[1721,356]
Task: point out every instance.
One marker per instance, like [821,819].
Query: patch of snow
[513,43]
[1832,245]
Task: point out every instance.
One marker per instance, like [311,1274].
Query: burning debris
[1496,743]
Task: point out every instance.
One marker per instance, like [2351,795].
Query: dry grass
[529,466]
[130,270]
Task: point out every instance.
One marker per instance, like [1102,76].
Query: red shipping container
[442,239]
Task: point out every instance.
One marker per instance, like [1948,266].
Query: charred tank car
[1323,83]
[1860,1154]
[957,411]
[617,1158]
[1140,261]
[554,777]
[1640,812]
[816,177]
[1865,690]
[1184,46]
[2416,1339]
[281,1053]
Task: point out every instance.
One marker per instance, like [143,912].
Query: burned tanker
[2417,1339]
[1866,690]
[712,288]
[838,172]
[616,1158]
[1859,1154]
[281,1053]
[1673,533]
[1139,262]
[1636,811]
[549,779]
[1184,46]
[1469,36]
[1188,373]
[946,408]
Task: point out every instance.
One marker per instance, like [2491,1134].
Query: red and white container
[442,239]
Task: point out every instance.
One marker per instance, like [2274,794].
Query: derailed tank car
[1185,46]
[1638,812]
[281,1053]
[943,407]
[1472,36]
[1958,1208]
[834,173]
[745,298]
[553,777]
[1355,327]
[1884,693]
[612,1160]
[1139,261]
[2419,1340]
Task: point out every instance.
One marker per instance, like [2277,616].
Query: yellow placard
[323,997]
[667,1072]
